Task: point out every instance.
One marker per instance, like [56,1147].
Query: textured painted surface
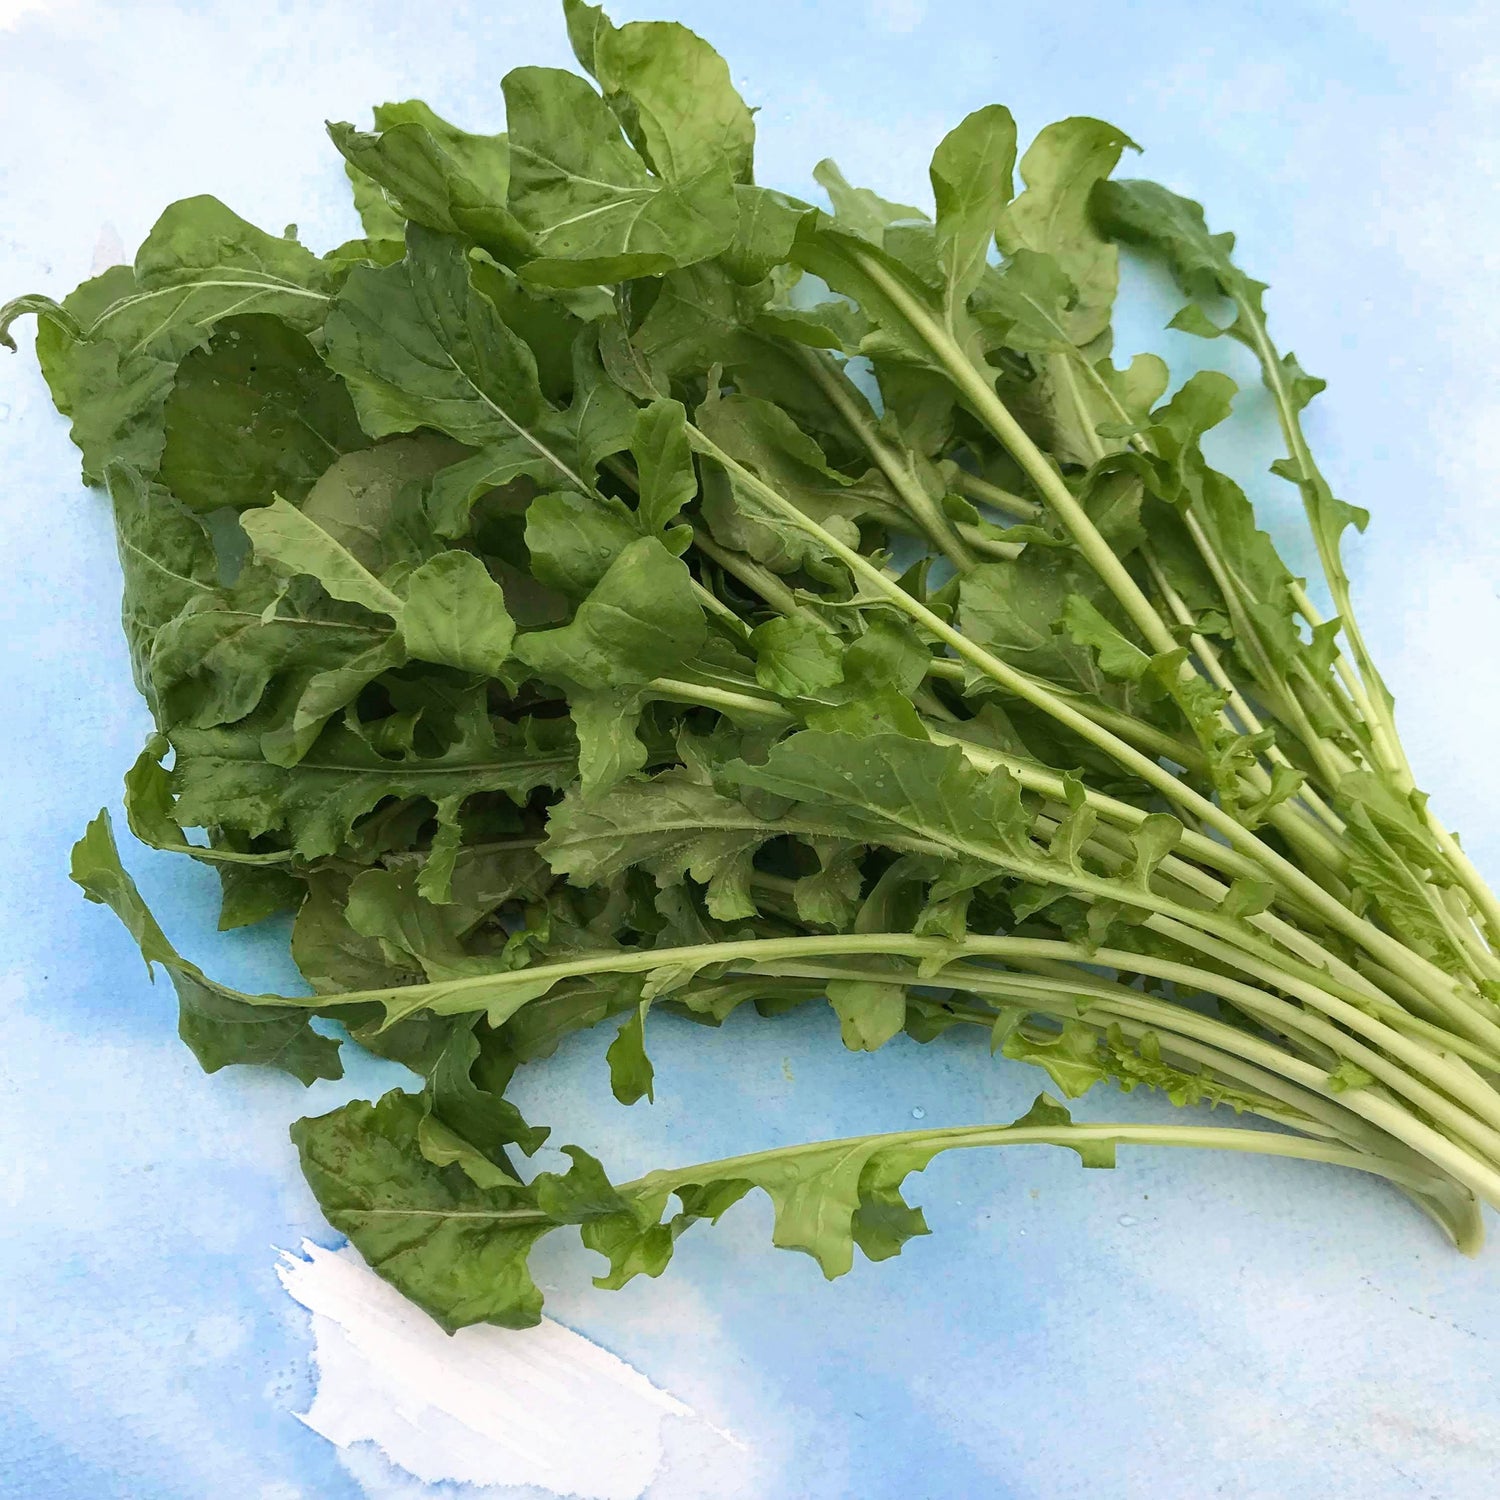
[1183,1326]
[482,1408]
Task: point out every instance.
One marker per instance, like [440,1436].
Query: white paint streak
[487,1406]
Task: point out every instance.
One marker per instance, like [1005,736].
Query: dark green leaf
[255,413]
[220,1025]
[795,657]
[456,1249]
[438,175]
[597,213]
[640,621]
[421,346]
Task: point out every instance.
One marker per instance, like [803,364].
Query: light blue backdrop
[1185,1326]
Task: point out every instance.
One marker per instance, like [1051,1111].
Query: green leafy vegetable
[535,598]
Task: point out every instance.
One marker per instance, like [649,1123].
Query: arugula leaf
[454,613]
[216,1023]
[795,657]
[889,787]
[673,95]
[971,181]
[430,1230]
[224,779]
[459,1250]
[639,621]
[1060,169]
[437,175]
[672,826]
[421,346]
[1147,213]
[369,501]
[596,211]
[255,376]
[1014,607]
[110,351]
[167,560]
[449,609]
[664,463]
[767,442]
[573,539]
[859,211]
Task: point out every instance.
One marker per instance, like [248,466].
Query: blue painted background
[1185,1326]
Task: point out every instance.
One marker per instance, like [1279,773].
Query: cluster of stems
[1359,1049]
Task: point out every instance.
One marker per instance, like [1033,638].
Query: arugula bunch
[612,585]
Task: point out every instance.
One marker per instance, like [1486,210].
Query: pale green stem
[717,607]
[976,541]
[1285,817]
[1392,753]
[980,394]
[993,412]
[1446,993]
[1376,699]
[759,580]
[1467,1232]
[1358,988]
[1477,1096]
[724,699]
[1221,679]
[488,993]
[1133,731]
[1227,1050]
[975,488]
[1323,751]
[1295,980]
[916,499]
[1315,1100]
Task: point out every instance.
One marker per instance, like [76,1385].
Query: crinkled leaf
[438,175]
[1060,168]
[456,1249]
[640,620]
[596,212]
[223,778]
[220,1025]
